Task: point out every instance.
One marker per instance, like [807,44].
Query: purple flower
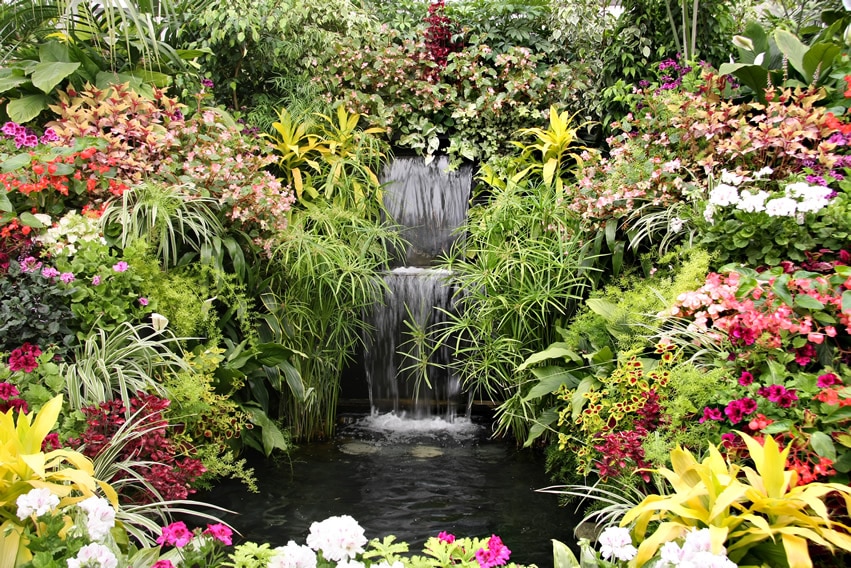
[120,267]
[11,128]
[49,272]
[49,136]
[30,264]
[208,83]
[66,277]
[143,301]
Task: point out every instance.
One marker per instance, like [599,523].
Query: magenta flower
[163,564]
[736,410]
[8,390]
[828,380]
[143,301]
[496,554]
[779,394]
[446,537]
[96,281]
[120,267]
[49,272]
[24,358]
[220,532]
[711,414]
[745,378]
[66,277]
[30,264]
[175,534]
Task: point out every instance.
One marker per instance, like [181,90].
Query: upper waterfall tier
[428,202]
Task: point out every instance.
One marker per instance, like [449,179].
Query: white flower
[764,172]
[617,542]
[752,202]
[730,177]
[724,194]
[676,225]
[37,502]
[293,556]
[671,553]
[94,556]
[338,538]
[781,207]
[158,321]
[43,219]
[709,213]
[100,516]
[811,198]
[698,541]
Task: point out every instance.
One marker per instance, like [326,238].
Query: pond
[409,478]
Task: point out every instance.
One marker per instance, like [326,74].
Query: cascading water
[429,204]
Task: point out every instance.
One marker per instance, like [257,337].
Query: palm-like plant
[165,216]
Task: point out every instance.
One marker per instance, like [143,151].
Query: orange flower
[847,86]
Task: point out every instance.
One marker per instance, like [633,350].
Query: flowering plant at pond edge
[339,541]
[783,335]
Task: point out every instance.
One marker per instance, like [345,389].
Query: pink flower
[446,537]
[120,267]
[496,553]
[711,414]
[66,277]
[220,532]
[143,301]
[24,358]
[96,281]
[8,390]
[163,564]
[175,534]
[745,378]
[736,410]
[49,272]
[828,380]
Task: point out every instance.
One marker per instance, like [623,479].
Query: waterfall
[429,204]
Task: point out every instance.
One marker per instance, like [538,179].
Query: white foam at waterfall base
[400,426]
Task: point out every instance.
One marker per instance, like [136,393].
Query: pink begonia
[496,553]
[175,534]
[120,266]
[220,532]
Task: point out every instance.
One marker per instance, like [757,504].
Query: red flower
[24,358]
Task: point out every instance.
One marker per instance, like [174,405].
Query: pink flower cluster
[24,358]
[495,554]
[10,399]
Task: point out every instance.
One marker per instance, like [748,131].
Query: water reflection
[412,479]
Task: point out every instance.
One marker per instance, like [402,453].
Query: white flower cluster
[37,502]
[798,198]
[696,552]
[100,517]
[62,237]
[616,542]
[94,555]
[339,539]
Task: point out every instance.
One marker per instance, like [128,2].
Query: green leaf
[577,402]
[778,427]
[808,302]
[49,74]
[843,464]
[541,425]
[17,161]
[846,301]
[554,351]
[26,108]
[782,290]
[30,220]
[754,76]
[603,308]
[793,49]
[271,435]
[9,82]
[823,445]
[5,204]
[563,557]
[819,57]
[53,52]
[840,415]
[551,380]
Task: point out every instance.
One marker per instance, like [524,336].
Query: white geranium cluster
[616,543]
[695,552]
[797,199]
[62,238]
[339,539]
[98,518]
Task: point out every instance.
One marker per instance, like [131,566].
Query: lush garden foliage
[654,285]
